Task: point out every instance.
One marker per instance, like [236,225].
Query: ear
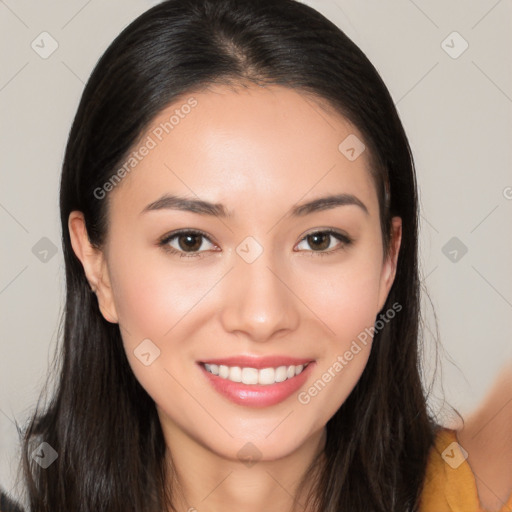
[389,268]
[95,265]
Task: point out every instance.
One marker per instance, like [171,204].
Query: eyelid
[343,238]
[165,240]
[330,231]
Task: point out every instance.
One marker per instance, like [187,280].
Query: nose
[259,300]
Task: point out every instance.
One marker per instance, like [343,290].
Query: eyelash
[164,242]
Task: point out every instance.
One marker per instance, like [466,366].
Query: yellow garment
[450,484]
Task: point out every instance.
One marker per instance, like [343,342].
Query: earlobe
[94,264]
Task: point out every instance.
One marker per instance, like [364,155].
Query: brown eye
[188,243]
[320,241]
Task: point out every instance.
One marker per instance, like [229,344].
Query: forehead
[260,144]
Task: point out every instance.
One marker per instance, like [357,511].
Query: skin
[487,437]
[259,151]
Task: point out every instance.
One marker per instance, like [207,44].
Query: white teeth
[235,374]
[265,376]
[281,374]
[250,376]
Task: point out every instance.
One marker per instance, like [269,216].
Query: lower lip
[257,395]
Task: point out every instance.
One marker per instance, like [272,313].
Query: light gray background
[457,113]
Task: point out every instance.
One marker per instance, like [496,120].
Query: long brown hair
[100,421]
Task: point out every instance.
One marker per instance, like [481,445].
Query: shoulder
[487,438]
[471,468]
[449,483]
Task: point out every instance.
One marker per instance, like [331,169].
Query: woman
[239,219]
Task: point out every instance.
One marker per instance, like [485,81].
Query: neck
[203,481]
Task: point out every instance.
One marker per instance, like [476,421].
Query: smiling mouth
[254,376]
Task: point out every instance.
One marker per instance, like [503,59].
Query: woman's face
[265,281]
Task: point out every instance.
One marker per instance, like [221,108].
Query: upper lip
[258,362]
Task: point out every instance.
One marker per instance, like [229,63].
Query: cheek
[161,301]
[152,294]
[346,300]
[345,295]
[152,298]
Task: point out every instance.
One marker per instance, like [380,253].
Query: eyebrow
[174,202]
